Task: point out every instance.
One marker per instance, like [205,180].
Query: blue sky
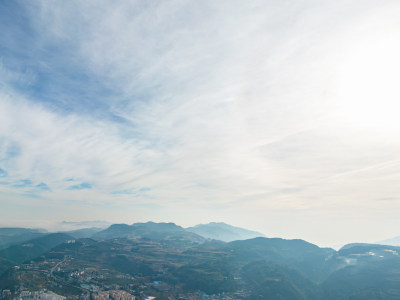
[278,116]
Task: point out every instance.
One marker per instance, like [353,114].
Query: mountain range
[168,260]
[223,232]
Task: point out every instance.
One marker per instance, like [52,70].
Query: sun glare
[368,92]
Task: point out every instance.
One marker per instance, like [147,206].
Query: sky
[277,116]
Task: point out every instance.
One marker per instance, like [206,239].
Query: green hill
[14,236]
[33,248]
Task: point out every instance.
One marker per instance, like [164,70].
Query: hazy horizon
[76,225]
[275,116]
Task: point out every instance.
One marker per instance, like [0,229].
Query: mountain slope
[307,258]
[223,232]
[13,236]
[365,280]
[5,265]
[271,281]
[33,248]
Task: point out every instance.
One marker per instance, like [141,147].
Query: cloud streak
[127,106]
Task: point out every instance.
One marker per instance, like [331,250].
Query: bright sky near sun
[277,116]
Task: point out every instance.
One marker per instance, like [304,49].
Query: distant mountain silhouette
[149,230]
[223,232]
[83,233]
[392,242]
[71,225]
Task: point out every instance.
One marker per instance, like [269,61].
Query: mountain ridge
[223,232]
[145,254]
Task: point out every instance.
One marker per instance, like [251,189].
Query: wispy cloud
[42,186]
[23,183]
[123,106]
[3,173]
[82,186]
